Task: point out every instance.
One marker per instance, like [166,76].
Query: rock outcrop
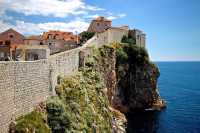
[136,88]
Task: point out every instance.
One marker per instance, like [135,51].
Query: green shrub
[86,35]
[31,122]
[128,40]
[80,105]
[121,56]
[58,120]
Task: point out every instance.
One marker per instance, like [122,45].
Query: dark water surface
[179,85]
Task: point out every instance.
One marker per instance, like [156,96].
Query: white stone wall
[111,35]
[25,84]
[116,34]
[62,64]
[22,86]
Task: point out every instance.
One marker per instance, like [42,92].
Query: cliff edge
[137,76]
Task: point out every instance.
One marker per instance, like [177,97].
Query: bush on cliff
[33,122]
[58,119]
[131,54]
[128,40]
[81,97]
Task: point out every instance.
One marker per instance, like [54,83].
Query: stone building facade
[32,52]
[112,34]
[9,39]
[33,40]
[139,37]
[99,24]
[59,41]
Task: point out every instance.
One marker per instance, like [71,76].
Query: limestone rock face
[137,90]
[131,82]
[137,76]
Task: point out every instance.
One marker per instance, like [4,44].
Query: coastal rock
[136,88]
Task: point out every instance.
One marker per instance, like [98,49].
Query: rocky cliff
[137,76]
[130,77]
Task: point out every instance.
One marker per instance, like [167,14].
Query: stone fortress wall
[24,84]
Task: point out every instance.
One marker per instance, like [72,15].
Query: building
[33,40]
[4,52]
[115,34]
[8,42]
[99,24]
[139,36]
[59,41]
[32,52]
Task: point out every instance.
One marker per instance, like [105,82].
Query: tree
[86,35]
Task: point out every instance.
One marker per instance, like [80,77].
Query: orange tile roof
[60,35]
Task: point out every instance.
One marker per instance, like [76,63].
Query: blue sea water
[179,85]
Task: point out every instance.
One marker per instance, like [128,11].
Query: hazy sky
[172,26]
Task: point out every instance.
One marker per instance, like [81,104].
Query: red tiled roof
[60,35]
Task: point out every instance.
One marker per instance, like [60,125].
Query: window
[49,44]
[50,36]
[41,43]
[1,54]
[138,36]
[10,35]
[7,42]
[1,43]
[98,24]
[35,57]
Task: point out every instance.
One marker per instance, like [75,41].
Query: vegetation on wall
[32,123]
[82,104]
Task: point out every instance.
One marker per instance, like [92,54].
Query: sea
[179,86]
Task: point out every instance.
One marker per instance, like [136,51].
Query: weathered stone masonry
[25,84]
[22,86]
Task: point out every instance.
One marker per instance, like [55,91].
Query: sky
[172,26]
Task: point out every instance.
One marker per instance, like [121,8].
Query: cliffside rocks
[130,77]
[136,80]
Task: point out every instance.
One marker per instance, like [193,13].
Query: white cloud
[109,15]
[112,17]
[49,8]
[56,8]
[92,16]
[4,26]
[32,28]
